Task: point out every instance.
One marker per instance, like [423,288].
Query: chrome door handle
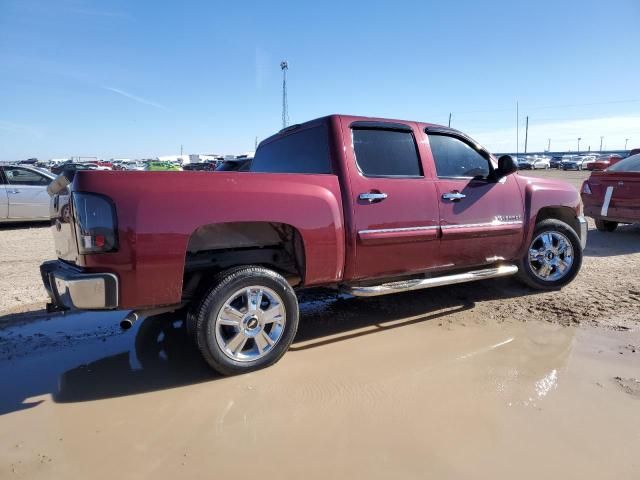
[453,196]
[372,197]
[13,191]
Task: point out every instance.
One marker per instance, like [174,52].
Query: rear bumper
[71,288]
[584,228]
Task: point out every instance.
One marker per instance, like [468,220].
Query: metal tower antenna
[285,107]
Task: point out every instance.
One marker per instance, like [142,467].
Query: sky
[138,79]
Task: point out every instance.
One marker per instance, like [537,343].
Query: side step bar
[420,283]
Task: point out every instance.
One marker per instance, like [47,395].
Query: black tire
[606,225]
[203,318]
[525,273]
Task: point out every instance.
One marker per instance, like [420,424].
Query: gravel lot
[22,249]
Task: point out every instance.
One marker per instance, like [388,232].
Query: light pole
[549,145]
[601,138]
[579,138]
[626,140]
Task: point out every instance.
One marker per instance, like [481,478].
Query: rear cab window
[301,151]
[386,151]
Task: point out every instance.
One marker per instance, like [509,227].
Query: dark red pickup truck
[366,205]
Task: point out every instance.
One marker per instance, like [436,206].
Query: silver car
[23,193]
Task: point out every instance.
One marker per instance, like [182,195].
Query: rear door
[27,193]
[394,204]
[481,219]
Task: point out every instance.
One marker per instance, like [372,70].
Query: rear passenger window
[454,158]
[305,151]
[386,153]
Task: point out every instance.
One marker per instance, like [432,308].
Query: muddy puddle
[365,392]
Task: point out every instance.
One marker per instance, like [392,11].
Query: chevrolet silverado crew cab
[365,205]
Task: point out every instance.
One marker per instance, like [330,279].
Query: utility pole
[526,135]
[626,140]
[517,131]
[579,138]
[180,149]
[449,119]
[601,138]
[549,145]
[285,107]
[255,144]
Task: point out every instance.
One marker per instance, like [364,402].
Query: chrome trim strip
[418,284]
[487,224]
[393,230]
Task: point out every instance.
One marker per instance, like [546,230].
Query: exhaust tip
[128,321]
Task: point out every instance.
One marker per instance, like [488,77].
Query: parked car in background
[604,161]
[612,196]
[533,162]
[578,162]
[58,169]
[540,161]
[403,206]
[525,163]
[160,166]
[101,164]
[200,167]
[235,165]
[135,165]
[556,161]
[634,151]
[23,193]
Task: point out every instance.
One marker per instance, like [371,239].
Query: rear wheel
[554,256]
[606,225]
[246,321]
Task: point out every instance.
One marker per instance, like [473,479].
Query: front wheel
[246,321]
[554,256]
[606,225]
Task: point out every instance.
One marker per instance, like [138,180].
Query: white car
[23,193]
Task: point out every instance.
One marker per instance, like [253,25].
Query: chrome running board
[420,283]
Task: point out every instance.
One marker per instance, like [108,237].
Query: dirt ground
[484,380]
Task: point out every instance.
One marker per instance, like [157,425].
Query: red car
[604,161]
[613,196]
[368,206]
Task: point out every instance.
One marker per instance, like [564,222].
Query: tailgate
[611,194]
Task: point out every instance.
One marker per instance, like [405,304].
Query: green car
[162,167]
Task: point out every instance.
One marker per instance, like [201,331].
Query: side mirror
[506,166]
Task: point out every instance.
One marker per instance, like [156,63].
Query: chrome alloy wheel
[550,256]
[250,323]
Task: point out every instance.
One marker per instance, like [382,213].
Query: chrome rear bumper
[71,288]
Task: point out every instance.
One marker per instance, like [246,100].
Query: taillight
[586,188]
[95,223]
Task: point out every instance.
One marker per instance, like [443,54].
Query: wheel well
[564,214]
[216,247]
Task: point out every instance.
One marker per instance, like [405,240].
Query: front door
[394,205]
[27,193]
[481,219]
